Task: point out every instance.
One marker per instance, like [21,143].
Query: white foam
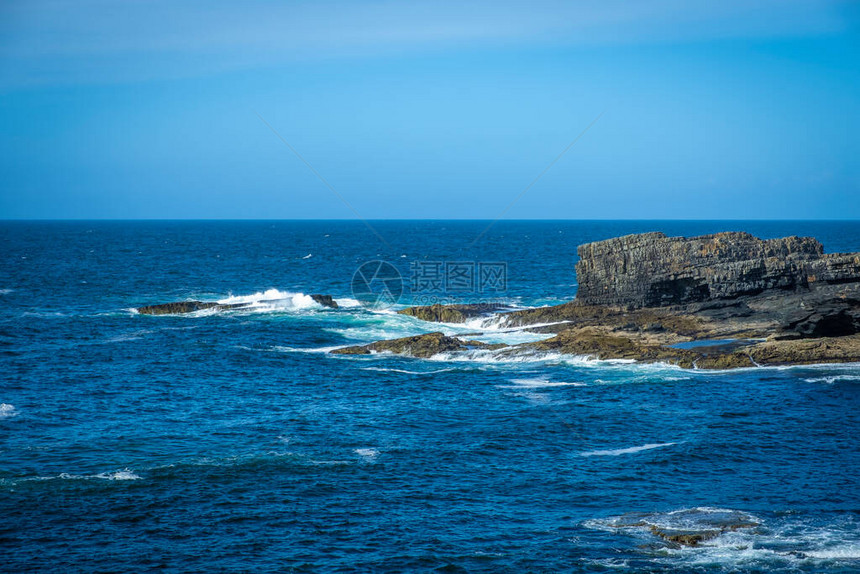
[283,349]
[348,303]
[367,453]
[405,371]
[308,256]
[630,450]
[844,551]
[272,300]
[118,475]
[6,291]
[833,379]
[7,411]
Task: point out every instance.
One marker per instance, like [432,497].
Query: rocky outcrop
[324,300]
[452,313]
[652,270]
[688,527]
[777,302]
[181,307]
[423,346]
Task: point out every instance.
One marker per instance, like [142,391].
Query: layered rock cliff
[652,270]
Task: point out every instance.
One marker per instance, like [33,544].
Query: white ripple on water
[116,475]
[7,411]
[541,382]
[368,454]
[833,379]
[629,450]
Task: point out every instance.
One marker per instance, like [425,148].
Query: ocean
[232,441]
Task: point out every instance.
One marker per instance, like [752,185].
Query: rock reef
[650,297]
[181,307]
[422,346]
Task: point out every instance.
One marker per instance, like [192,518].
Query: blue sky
[712,110]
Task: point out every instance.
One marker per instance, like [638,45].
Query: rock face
[652,270]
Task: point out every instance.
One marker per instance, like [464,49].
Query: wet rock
[452,313]
[324,300]
[181,307]
[423,346]
[641,295]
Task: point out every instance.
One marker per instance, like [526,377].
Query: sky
[653,109]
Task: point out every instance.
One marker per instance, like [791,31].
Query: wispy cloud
[59,41]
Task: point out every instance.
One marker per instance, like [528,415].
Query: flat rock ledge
[421,346]
[643,297]
[453,313]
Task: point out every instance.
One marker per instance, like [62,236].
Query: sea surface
[231,441]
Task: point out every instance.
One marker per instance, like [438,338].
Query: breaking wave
[272,300]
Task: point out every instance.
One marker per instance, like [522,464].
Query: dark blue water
[230,441]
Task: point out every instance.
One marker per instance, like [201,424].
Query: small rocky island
[717,301]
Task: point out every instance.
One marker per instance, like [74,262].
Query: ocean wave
[272,300]
[7,411]
[6,291]
[629,450]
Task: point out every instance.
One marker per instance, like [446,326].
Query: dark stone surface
[324,300]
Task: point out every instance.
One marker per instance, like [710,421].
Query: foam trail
[833,379]
[539,382]
[631,450]
[384,370]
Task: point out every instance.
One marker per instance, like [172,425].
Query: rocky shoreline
[654,298]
